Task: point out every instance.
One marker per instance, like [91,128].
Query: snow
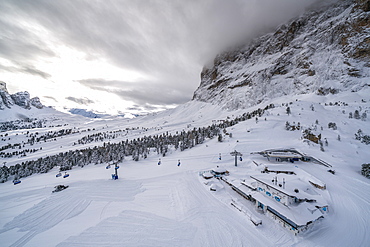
[219,170]
[170,205]
[299,57]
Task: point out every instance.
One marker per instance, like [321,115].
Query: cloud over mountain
[164,44]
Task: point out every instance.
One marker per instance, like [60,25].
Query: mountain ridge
[21,99]
[322,51]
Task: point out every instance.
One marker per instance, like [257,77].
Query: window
[277,198]
[268,193]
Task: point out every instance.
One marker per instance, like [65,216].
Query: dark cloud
[36,72]
[150,35]
[146,109]
[153,96]
[144,93]
[167,41]
[24,69]
[17,43]
[49,97]
[81,101]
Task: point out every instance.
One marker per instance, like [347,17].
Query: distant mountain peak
[84,112]
[3,86]
[21,99]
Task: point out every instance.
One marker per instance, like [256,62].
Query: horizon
[124,57]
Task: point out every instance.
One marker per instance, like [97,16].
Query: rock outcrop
[323,51]
[21,99]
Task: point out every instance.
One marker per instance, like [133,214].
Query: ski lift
[241,159]
[159,162]
[16,181]
[114,176]
[117,167]
[58,175]
[178,164]
[219,157]
[66,175]
[107,167]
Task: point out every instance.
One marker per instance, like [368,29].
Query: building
[289,199]
[219,171]
[290,155]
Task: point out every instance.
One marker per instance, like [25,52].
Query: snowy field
[170,205]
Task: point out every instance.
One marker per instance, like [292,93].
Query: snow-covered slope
[169,205]
[302,87]
[323,51]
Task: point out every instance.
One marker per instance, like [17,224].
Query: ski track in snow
[166,205]
[63,206]
[24,239]
[134,228]
[200,220]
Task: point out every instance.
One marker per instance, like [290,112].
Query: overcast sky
[127,56]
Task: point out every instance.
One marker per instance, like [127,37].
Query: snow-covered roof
[283,155]
[300,214]
[207,175]
[250,183]
[219,170]
[292,183]
[280,167]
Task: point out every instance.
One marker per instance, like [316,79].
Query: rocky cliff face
[21,99]
[323,51]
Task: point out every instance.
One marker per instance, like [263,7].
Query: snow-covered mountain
[161,197]
[86,113]
[21,99]
[171,205]
[324,51]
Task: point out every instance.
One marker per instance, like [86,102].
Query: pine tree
[219,137]
[288,111]
[358,135]
[366,170]
[287,125]
[332,125]
[321,147]
[363,116]
[366,139]
[356,115]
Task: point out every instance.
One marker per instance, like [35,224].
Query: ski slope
[170,205]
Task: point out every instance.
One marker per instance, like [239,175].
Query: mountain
[170,205]
[21,99]
[161,197]
[86,113]
[324,51]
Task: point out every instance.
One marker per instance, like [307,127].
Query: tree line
[138,148]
